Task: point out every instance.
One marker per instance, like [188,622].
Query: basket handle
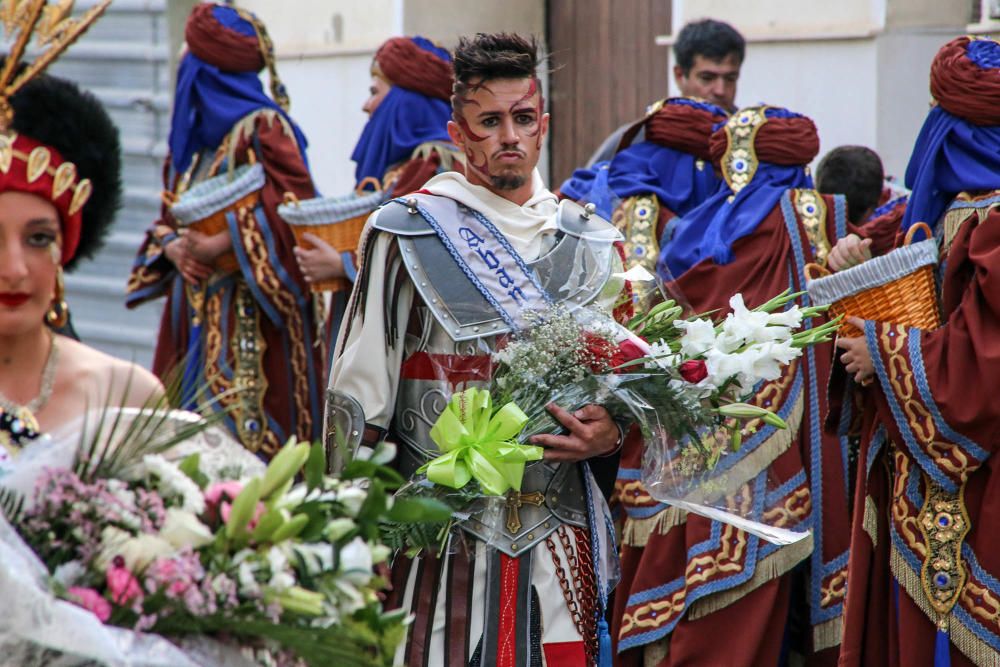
[290,199]
[368,180]
[917,226]
[812,268]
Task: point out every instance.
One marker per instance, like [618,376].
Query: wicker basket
[204,207]
[336,220]
[898,287]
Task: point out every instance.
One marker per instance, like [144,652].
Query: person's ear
[545,125]
[455,132]
[678,75]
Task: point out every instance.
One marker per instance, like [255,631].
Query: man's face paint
[501,127]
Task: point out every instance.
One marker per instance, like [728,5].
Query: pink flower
[214,494]
[122,584]
[694,370]
[215,501]
[92,601]
[166,571]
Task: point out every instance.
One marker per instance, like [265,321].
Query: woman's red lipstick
[13,298]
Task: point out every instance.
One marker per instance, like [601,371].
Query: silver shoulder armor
[582,222]
[400,216]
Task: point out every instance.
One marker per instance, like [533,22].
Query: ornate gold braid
[739,162]
[218,384]
[267,280]
[637,220]
[278,90]
[811,209]
[943,521]
[248,347]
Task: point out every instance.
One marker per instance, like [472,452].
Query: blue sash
[487,259]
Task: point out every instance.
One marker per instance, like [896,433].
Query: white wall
[324,50]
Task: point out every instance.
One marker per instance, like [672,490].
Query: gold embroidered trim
[284,302]
[249,380]
[636,532]
[637,219]
[870,520]
[975,649]
[754,463]
[951,458]
[944,522]
[811,209]
[739,162]
[771,567]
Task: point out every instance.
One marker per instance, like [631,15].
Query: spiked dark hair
[500,55]
[57,113]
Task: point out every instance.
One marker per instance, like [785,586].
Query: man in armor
[445,272]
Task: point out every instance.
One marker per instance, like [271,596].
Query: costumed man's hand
[190,269]
[849,251]
[319,263]
[206,249]
[592,432]
[857,358]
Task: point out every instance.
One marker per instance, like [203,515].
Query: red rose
[694,370]
[629,351]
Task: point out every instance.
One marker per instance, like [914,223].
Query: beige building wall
[858,68]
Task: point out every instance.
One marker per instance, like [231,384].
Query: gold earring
[58,313]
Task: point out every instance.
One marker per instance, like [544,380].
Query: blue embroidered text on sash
[489,257]
[489,261]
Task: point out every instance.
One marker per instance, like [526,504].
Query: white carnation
[174,482]
[357,561]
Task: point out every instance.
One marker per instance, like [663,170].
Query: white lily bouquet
[731,369]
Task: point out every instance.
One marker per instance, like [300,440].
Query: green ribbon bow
[479,444]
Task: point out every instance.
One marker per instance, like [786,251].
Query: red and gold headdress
[30,161]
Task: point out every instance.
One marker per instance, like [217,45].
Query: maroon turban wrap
[405,64]
[218,45]
[963,88]
[684,127]
[785,141]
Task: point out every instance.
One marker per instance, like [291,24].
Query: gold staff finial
[54,30]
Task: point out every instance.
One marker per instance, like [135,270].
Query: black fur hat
[56,112]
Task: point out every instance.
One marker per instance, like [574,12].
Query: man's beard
[507,181]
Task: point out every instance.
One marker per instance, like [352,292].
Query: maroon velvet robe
[928,476]
[688,581]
